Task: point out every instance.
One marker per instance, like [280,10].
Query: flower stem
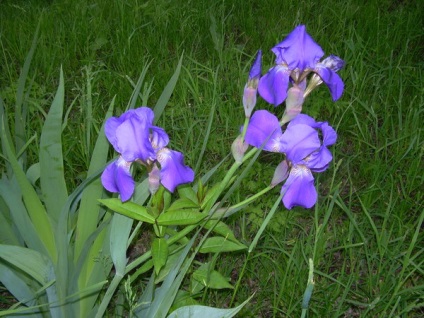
[255,242]
[233,209]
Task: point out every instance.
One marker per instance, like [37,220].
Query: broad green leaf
[170,265]
[204,311]
[210,194]
[16,285]
[222,229]
[219,244]
[52,180]
[12,197]
[33,173]
[167,92]
[29,261]
[32,202]
[7,234]
[88,214]
[187,192]
[182,217]
[181,204]
[165,295]
[195,286]
[160,252]
[182,299]
[211,279]
[130,209]
[120,229]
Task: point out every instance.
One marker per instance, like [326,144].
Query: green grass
[365,235]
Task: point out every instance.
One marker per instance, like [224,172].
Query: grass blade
[167,92]
[20,112]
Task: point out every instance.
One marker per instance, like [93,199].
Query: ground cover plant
[364,235]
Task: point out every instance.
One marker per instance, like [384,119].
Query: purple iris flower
[134,136]
[296,56]
[305,152]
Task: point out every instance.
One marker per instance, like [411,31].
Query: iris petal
[173,172]
[159,137]
[300,141]
[299,189]
[264,128]
[274,84]
[133,140]
[117,178]
[329,134]
[332,80]
[298,50]
[319,160]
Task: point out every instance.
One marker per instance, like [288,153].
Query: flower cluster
[136,139]
[305,152]
[299,68]
[296,57]
[304,141]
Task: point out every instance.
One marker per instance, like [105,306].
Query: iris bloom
[305,153]
[136,139]
[296,57]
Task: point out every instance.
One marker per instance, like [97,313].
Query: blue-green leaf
[52,180]
[204,311]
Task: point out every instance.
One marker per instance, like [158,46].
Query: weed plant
[364,235]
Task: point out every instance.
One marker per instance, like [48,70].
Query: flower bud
[294,103]
[281,173]
[251,88]
[238,148]
[154,179]
[249,100]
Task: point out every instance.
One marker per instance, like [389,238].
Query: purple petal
[298,50]
[319,160]
[306,120]
[133,140]
[329,134]
[117,178]
[332,80]
[173,171]
[300,141]
[111,125]
[145,114]
[159,138]
[274,84]
[299,189]
[333,62]
[255,71]
[264,131]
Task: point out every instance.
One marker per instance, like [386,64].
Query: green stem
[233,209]
[246,123]
[265,223]
[252,198]
[255,242]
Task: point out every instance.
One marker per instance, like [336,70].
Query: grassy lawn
[365,235]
